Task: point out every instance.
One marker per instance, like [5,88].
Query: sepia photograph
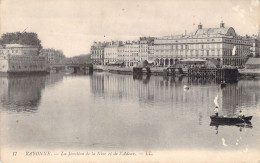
[135,81]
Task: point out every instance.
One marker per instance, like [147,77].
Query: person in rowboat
[216,111]
[240,115]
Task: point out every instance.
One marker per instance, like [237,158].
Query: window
[207,52]
[202,46]
[212,52]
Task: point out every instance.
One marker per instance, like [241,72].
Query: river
[112,111]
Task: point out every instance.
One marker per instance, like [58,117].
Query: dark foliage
[26,38]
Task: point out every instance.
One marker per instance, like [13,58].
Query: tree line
[25,38]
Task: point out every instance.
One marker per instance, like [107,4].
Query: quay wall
[253,72]
[126,70]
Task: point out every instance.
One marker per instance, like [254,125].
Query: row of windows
[13,51]
[193,52]
[190,46]
[97,52]
[185,41]
[237,41]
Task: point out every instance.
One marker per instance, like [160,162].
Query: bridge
[77,67]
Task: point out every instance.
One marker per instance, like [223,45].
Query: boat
[244,124]
[225,119]
[186,87]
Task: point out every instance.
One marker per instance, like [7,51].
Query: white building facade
[204,43]
[21,58]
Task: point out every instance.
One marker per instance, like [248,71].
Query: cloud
[255,2]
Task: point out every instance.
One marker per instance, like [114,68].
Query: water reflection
[114,111]
[240,96]
[23,93]
[168,89]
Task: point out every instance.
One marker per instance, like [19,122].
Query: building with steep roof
[222,44]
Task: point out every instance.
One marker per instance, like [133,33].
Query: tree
[25,38]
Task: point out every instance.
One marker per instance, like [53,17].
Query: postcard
[129,81]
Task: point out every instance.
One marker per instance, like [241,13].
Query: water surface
[111,111]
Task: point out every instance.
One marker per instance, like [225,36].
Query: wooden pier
[141,70]
[172,71]
[225,74]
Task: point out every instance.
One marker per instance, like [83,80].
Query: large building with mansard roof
[220,43]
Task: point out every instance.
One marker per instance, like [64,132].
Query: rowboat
[225,119]
[244,124]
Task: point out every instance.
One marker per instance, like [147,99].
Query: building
[17,49]
[128,53]
[136,52]
[97,53]
[256,45]
[21,58]
[111,52]
[220,43]
[146,50]
[52,56]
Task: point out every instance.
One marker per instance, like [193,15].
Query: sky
[73,25]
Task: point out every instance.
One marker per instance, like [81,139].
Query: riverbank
[243,73]
[23,73]
[126,70]
[249,72]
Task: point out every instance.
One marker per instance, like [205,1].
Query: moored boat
[225,119]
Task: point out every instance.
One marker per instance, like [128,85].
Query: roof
[253,61]
[215,31]
[204,32]
[20,46]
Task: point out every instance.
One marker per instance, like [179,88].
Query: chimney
[222,25]
[200,26]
